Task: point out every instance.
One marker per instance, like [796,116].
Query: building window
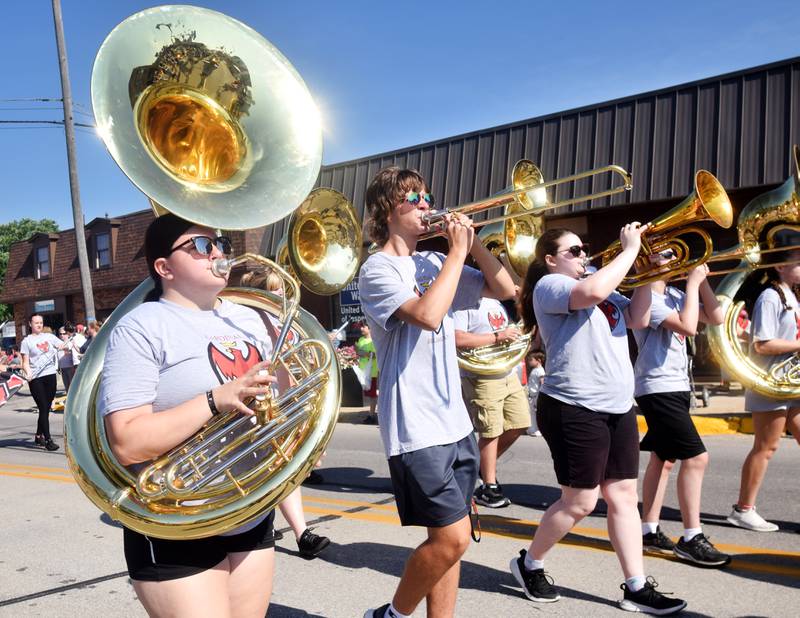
[42,262]
[103,250]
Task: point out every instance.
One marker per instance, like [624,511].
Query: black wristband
[211,405]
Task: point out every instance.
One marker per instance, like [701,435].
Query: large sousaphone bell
[761,216]
[212,123]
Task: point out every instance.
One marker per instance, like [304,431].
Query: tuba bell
[776,207]
[226,141]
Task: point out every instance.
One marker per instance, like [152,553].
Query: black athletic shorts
[156,560]
[588,447]
[671,434]
[433,486]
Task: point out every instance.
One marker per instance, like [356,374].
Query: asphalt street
[62,557]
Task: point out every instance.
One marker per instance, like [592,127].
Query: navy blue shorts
[156,560]
[433,486]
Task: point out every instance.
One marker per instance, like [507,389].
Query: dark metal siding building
[739,126]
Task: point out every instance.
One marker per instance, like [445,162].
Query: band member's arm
[597,287]
[637,315]
[138,434]
[774,347]
[710,312]
[467,340]
[499,283]
[26,366]
[428,310]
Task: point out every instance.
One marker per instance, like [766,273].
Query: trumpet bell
[324,242]
[231,141]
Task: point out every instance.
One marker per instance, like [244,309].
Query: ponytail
[546,245]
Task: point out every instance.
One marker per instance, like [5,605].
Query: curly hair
[386,191]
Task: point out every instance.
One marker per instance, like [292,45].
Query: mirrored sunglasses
[576,250]
[413,197]
[204,245]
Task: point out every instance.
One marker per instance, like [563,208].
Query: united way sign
[350,302]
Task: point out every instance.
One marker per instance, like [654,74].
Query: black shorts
[671,434]
[156,560]
[433,486]
[588,447]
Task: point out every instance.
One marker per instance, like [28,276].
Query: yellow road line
[594,539]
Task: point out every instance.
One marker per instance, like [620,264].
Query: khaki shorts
[496,405]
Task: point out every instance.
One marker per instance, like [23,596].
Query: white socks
[391,612]
[532,564]
[690,533]
[649,527]
[636,583]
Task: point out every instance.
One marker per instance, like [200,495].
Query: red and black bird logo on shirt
[232,358]
[496,319]
[611,311]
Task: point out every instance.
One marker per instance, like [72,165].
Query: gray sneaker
[750,520]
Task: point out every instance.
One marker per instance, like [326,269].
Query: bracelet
[211,405]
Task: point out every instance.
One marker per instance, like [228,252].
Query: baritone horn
[708,202]
[495,358]
[232,141]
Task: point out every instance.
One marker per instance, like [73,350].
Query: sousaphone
[214,124]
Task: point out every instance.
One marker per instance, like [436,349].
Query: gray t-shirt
[662,365]
[164,354]
[771,320]
[42,353]
[419,400]
[488,317]
[588,363]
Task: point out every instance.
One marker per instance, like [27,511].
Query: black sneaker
[536,584]
[370,419]
[310,544]
[649,601]
[38,439]
[277,535]
[700,551]
[377,613]
[657,542]
[491,496]
[50,445]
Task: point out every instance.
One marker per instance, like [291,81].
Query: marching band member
[408,298]
[39,364]
[171,365]
[309,544]
[497,404]
[585,407]
[663,395]
[773,338]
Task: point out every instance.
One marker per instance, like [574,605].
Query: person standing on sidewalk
[368,363]
[497,404]
[773,338]
[39,364]
[663,394]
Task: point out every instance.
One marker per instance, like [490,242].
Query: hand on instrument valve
[460,233]
[508,334]
[630,236]
[697,275]
[233,394]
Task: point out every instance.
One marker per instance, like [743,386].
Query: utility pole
[72,162]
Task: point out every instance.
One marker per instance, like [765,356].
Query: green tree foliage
[12,232]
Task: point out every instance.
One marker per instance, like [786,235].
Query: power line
[60,122]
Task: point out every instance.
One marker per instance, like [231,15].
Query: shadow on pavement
[351,480]
[281,611]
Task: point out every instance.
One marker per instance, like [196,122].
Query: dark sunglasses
[576,250]
[667,254]
[204,245]
[413,197]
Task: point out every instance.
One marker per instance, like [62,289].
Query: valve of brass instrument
[263,404]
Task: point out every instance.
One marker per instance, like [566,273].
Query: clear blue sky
[386,75]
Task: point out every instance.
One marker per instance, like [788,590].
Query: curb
[713,426]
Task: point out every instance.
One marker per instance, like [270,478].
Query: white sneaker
[751,520]
[535,433]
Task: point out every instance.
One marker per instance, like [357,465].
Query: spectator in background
[91,333]
[534,362]
[368,363]
[66,364]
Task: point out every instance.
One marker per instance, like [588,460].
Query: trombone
[530,198]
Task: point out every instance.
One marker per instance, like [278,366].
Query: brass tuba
[496,358]
[228,141]
[781,205]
